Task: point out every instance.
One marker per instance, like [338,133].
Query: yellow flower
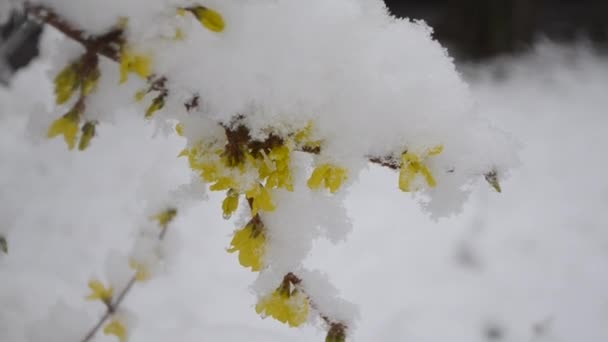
[133,62]
[274,167]
[250,242]
[230,203]
[260,199]
[88,132]
[116,328]
[67,126]
[328,175]
[165,217]
[209,18]
[285,306]
[412,165]
[100,292]
[303,138]
[142,272]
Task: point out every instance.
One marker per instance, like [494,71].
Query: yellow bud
[179,129]
[209,18]
[66,83]
[90,83]
[165,217]
[88,132]
[157,104]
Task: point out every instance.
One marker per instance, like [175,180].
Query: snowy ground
[530,264]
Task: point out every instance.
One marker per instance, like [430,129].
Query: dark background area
[479,29]
[471,29]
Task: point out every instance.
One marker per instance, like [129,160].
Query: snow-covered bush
[281,104]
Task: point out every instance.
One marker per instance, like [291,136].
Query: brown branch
[107,45]
[112,306]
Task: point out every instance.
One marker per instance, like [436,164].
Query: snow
[529,262]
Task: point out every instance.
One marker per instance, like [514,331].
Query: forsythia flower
[250,243]
[230,203]
[99,291]
[132,62]
[285,306]
[88,132]
[165,217]
[412,164]
[274,167]
[142,273]
[260,199]
[209,18]
[303,138]
[67,126]
[116,328]
[329,175]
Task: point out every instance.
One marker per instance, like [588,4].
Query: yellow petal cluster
[328,175]
[230,203]
[285,306]
[206,160]
[250,242]
[304,138]
[67,126]
[260,198]
[100,292]
[130,61]
[116,328]
[413,164]
[274,167]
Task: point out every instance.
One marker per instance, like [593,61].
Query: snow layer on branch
[373,85]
